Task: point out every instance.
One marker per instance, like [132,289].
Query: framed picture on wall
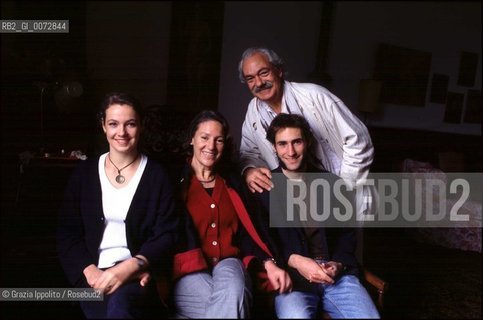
[439,88]
[404,74]
[473,107]
[467,70]
[454,107]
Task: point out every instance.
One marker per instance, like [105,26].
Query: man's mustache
[265,85]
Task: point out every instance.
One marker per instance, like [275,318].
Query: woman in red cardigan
[212,280]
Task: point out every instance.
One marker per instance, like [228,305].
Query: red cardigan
[216,232]
[215,219]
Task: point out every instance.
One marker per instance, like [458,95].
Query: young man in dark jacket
[321,261]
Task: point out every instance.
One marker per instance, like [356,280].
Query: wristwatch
[269,259]
[141,262]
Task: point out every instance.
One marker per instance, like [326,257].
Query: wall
[292,29]
[272,24]
[443,29]
[127,47]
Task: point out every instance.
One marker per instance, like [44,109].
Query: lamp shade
[66,94]
[369,93]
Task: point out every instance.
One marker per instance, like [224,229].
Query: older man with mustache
[343,145]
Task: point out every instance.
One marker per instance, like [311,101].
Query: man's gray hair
[272,56]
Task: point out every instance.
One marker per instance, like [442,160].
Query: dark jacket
[151,223]
[340,243]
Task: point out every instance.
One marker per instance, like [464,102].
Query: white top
[115,205]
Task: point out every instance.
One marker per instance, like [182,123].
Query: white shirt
[115,205]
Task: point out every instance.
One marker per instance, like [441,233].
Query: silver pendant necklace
[120,178]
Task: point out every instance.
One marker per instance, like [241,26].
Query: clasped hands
[313,271]
[109,280]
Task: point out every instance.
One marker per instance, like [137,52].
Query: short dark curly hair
[286,120]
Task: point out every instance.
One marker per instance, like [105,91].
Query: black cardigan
[151,223]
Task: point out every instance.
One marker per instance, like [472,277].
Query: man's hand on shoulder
[258,179]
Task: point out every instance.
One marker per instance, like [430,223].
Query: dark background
[182,75]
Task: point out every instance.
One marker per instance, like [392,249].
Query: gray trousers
[223,293]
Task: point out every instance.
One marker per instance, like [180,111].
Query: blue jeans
[130,301]
[223,293]
[346,298]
